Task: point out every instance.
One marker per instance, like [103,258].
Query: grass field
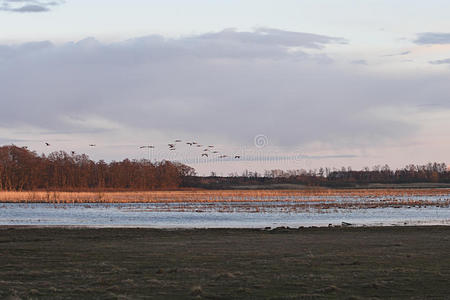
[309,263]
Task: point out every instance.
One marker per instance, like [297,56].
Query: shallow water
[195,215]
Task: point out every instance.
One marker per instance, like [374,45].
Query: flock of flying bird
[207,151]
[73,152]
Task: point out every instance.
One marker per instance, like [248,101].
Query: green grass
[310,263]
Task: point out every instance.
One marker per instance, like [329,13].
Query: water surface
[229,215]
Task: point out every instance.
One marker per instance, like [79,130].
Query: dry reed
[325,196]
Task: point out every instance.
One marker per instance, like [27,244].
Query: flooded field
[228,209]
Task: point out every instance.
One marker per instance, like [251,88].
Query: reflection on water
[215,215]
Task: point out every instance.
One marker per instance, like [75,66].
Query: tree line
[328,177]
[22,169]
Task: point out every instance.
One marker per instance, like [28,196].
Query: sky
[281,84]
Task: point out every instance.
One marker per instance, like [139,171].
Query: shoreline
[266,228]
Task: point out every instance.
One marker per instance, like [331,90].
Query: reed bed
[390,197]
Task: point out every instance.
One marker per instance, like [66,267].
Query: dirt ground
[306,263]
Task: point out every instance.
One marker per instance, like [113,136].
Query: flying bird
[171,145]
[215,151]
[237,156]
[177,141]
[91,145]
[211,146]
[205,154]
[189,143]
[47,144]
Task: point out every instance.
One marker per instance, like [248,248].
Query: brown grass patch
[217,196]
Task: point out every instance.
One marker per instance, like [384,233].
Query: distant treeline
[21,169]
[326,177]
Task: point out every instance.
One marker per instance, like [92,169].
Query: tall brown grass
[211,196]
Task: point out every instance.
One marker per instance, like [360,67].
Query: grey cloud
[359,62]
[27,6]
[30,8]
[398,54]
[440,61]
[218,85]
[269,36]
[263,42]
[429,38]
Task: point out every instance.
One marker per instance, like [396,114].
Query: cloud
[274,37]
[430,38]
[28,6]
[359,62]
[398,54]
[440,61]
[228,85]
